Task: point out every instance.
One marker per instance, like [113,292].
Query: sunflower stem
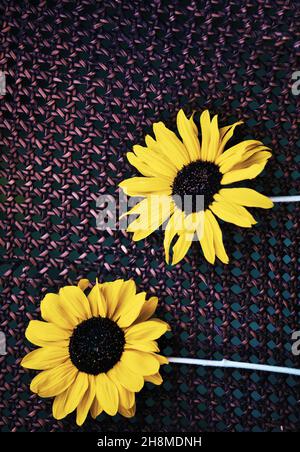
[235,364]
[295,198]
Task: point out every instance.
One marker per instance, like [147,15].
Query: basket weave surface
[85,81]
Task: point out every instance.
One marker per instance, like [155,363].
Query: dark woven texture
[85,81]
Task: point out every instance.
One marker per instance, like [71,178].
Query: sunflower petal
[205,134]
[153,212]
[150,346]
[214,140]
[149,165]
[83,284]
[181,247]
[174,226]
[126,398]
[144,186]
[58,406]
[217,236]
[246,197]
[206,239]
[139,362]
[131,310]
[130,412]
[228,212]
[147,331]
[122,374]
[107,394]
[148,309]
[76,391]
[86,401]
[171,146]
[96,408]
[156,379]
[188,135]
[97,301]
[45,358]
[53,311]
[111,293]
[44,333]
[74,300]
[52,382]
[225,134]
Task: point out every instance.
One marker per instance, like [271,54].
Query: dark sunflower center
[96,345]
[193,180]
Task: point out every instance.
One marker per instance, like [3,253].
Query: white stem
[295,198]
[236,364]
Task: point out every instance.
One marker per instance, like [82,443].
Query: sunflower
[96,351]
[174,169]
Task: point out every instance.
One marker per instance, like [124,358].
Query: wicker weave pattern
[85,81]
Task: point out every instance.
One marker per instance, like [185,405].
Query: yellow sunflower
[96,351]
[175,169]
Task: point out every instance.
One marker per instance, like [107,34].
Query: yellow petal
[161,359]
[246,197]
[181,247]
[130,310]
[247,173]
[76,391]
[86,401]
[153,211]
[107,394]
[150,165]
[112,294]
[147,331]
[45,358]
[174,226]
[130,412]
[206,239]
[214,140]
[205,134]
[228,212]
[217,236]
[156,379]
[148,309]
[97,301]
[126,398]
[253,158]
[74,300]
[171,146]
[44,333]
[52,382]
[58,407]
[53,311]
[144,186]
[139,362]
[96,408]
[83,284]
[236,153]
[188,135]
[154,157]
[225,134]
[150,346]
[122,374]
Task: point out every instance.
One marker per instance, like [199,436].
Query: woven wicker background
[85,81]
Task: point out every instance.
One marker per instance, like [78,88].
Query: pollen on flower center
[196,178]
[96,345]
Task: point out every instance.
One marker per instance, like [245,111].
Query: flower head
[96,351]
[174,169]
